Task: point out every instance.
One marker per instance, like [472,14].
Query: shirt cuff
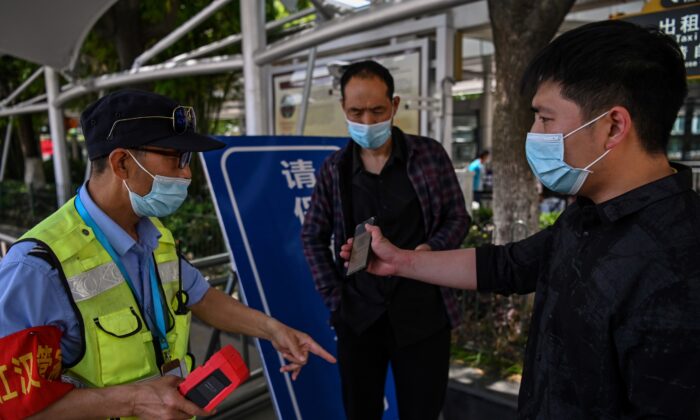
[484,259]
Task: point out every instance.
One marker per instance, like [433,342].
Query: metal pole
[206,49]
[29,109]
[318,5]
[178,33]
[444,63]
[58,133]
[301,121]
[487,104]
[236,38]
[33,100]
[6,148]
[285,20]
[252,29]
[151,73]
[21,87]
[374,17]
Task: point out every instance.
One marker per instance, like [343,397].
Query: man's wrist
[131,392]
[268,327]
[404,262]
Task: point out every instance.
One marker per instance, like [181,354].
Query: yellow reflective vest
[118,347]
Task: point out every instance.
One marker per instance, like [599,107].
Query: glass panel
[679,126]
[675,148]
[693,150]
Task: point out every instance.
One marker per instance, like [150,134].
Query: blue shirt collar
[117,237]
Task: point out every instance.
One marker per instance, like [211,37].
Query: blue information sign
[262,187]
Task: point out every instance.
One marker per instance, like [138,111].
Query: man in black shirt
[409,186]
[615,331]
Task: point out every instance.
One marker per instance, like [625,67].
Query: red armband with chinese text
[30,372]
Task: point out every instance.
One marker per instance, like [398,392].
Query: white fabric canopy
[48,32]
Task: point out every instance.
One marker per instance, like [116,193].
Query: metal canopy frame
[385,23]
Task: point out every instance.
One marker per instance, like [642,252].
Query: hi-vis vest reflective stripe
[118,346]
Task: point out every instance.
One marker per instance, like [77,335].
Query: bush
[481,231]
[493,334]
[196,226]
[548,218]
[23,207]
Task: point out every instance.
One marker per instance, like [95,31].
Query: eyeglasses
[184,157]
[183,118]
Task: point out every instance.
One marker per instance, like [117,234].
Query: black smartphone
[359,256]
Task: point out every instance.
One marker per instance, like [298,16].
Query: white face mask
[545,154]
[166,196]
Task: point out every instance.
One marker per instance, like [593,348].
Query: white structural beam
[372,18]
[18,110]
[178,33]
[303,109]
[254,38]
[444,79]
[60,156]
[215,65]
[21,87]
[236,38]
[487,102]
[6,149]
[206,49]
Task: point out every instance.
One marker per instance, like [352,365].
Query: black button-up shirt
[415,309]
[615,331]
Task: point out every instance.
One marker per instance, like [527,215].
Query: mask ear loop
[140,166]
[588,123]
[596,161]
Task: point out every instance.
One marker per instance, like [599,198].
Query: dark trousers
[420,371]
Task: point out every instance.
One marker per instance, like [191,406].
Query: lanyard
[155,291]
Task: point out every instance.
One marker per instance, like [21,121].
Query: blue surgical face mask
[165,197]
[545,154]
[370,136]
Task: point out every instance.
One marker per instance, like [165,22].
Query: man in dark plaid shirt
[407,183]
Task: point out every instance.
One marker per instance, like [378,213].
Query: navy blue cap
[98,120]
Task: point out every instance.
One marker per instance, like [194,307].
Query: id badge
[175,367]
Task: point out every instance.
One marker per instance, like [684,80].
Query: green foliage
[467,97]
[494,329]
[488,362]
[547,219]
[23,207]
[196,226]
[481,231]
[14,72]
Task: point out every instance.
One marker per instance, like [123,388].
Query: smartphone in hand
[359,256]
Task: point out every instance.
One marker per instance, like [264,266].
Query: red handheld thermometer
[208,385]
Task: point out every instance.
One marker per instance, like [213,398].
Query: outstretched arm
[227,314]
[455,268]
